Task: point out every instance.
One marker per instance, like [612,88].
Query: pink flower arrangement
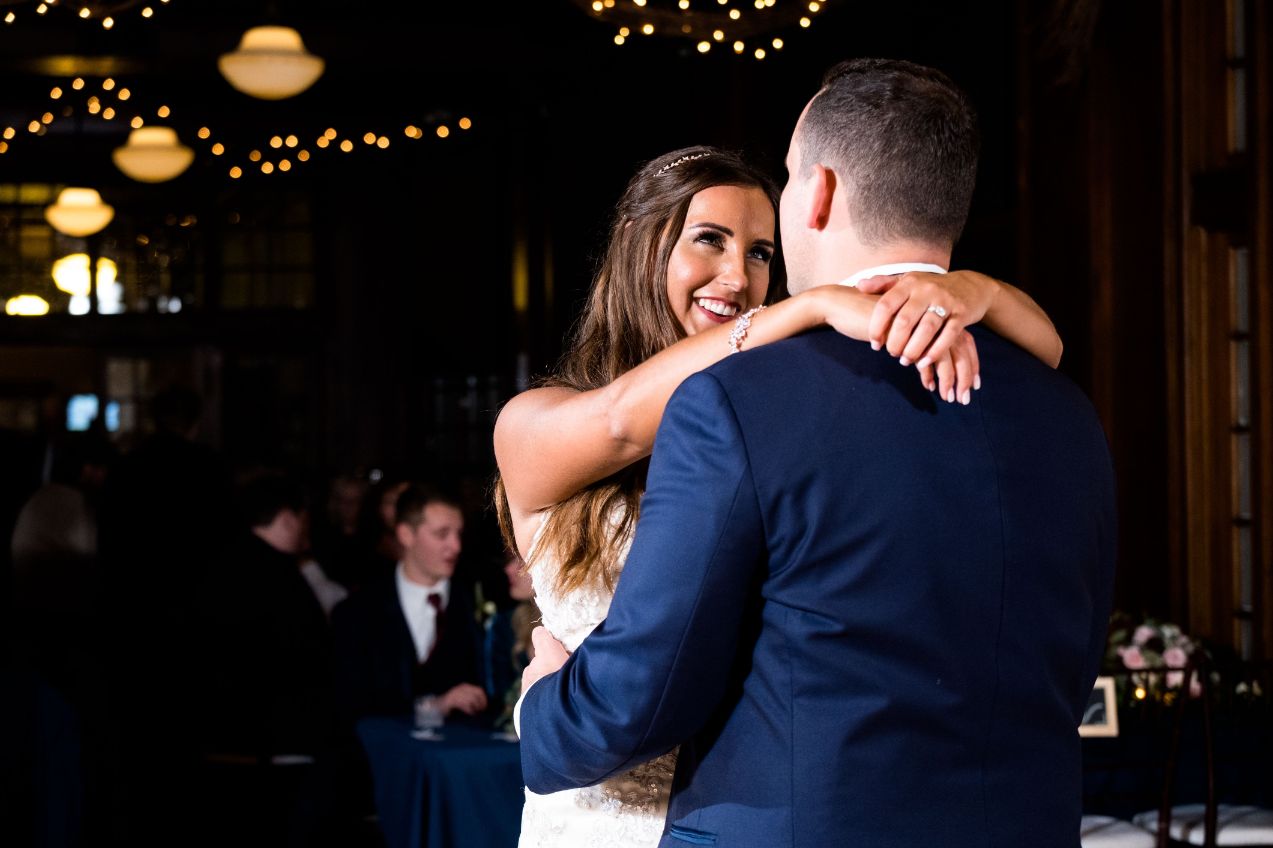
[1157,651]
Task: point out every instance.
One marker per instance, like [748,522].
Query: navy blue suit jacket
[869,617]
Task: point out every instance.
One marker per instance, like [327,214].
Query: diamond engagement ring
[939,311]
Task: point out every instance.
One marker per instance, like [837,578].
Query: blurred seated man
[412,632]
[268,644]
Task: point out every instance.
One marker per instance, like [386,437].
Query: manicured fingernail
[967,398]
[925,362]
[976,382]
[904,361]
[950,396]
[875,345]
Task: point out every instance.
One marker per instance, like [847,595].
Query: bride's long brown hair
[626,320]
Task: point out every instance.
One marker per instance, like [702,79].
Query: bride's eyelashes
[715,239]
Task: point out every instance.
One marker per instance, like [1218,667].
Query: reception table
[462,790]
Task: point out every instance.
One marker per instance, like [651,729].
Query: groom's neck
[852,256]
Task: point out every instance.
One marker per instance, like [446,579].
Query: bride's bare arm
[552,442]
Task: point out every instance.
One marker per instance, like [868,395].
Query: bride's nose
[734,275]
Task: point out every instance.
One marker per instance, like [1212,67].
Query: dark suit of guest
[867,617]
[376,668]
[268,650]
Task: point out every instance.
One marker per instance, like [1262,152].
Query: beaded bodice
[626,810]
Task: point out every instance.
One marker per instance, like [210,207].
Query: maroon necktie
[435,601]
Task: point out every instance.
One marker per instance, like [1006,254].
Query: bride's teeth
[728,310]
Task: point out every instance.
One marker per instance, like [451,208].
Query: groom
[867,617]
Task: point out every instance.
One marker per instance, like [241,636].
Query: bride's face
[719,266]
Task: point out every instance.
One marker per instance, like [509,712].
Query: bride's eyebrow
[708,225]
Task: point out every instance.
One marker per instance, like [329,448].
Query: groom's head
[885,154]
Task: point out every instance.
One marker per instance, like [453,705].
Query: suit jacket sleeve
[652,673]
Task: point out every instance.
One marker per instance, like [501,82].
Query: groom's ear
[821,197]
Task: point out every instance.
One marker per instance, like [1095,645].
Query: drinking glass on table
[428,717]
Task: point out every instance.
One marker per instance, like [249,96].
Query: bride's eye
[709,237]
[764,254]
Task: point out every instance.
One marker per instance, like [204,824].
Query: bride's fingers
[928,328]
[903,327]
[882,316]
[926,377]
[945,340]
[946,378]
[963,371]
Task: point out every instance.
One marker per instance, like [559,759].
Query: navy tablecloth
[462,791]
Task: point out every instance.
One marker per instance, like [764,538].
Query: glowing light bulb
[204,132]
[704,46]
[777,43]
[163,112]
[255,156]
[323,141]
[267,167]
[330,134]
[137,122]
[597,6]
[85,13]
[346,145]
[147,12]
[1140,693]
[684,4]
[303,156]
[55,93]
[760,52]
[46,118]
[624,31]
[276,142]
[10,18]
[804,22]
[382,142]
[618,39]
[236,172]
[739,47]
[815,6]
[443,131]
[285,165]
[124,94]
[108,84]
[291,141]
[41,9]
[34,126]
[465,124]
[734,14]
[108,22]
[77,83]
[218,149]
[719,35]
[369,138]
[9,132]
[108,113]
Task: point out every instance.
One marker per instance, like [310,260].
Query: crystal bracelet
[739,332]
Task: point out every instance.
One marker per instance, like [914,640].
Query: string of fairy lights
[745,28]
[104,13]
[108,100]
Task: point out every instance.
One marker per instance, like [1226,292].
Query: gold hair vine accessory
[670,165]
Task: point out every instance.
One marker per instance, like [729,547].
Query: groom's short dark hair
[905,138]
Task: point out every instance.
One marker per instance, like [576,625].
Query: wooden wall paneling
[1261,119]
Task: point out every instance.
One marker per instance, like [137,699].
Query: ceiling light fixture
[271,63]
[153,155]
[79,212]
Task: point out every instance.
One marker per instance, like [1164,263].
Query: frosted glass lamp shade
[271,63]
[152,155]
[79,212]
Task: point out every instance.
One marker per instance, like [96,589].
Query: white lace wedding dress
[626,811]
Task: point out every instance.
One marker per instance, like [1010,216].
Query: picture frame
[1100,717]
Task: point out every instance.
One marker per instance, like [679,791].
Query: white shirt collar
[890,269]
[412,592]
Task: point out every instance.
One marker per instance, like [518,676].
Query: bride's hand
[922,314]
[951,368]
[550,656]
